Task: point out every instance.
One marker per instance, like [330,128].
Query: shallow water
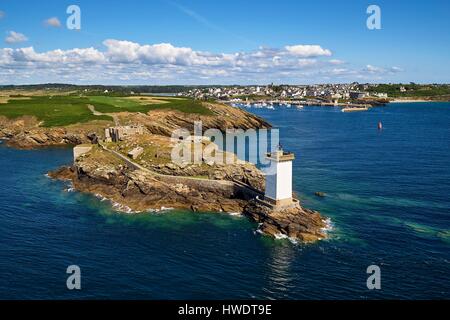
[387,196]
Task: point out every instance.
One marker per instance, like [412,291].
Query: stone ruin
[120,133]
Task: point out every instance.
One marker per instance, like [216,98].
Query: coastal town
[319,93]
[351,96]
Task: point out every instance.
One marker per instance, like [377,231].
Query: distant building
[116,134]
[358,95]
[381,95]
[336,96]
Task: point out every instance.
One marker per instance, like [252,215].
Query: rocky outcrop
[99,172]
[26,132]
[40,137]
[164,122]
[140,191]
[296,223]
[244,172]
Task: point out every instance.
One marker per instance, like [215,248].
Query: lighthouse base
[279,204]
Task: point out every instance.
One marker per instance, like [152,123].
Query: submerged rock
[320,194]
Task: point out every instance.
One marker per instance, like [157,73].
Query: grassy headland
[414,91]
[63,110]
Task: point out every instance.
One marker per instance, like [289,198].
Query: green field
[55,111]
[107,104]
[412,90]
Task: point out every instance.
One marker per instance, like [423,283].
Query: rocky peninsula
[153,182]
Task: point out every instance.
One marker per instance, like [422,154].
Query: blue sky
[226,42]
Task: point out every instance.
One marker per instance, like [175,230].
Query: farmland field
[62,110]
[107,104]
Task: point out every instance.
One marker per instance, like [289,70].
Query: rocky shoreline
[228,188]
[140,191]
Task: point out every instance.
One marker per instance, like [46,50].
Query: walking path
[140,167]
[97,113]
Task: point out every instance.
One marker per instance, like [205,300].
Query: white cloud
[123,61]
[307,50]
[28,55]
[306,62]
[52,22]
[372,69]
[396,69]
[163,53]
[15,37]
[381,70]
[336,61]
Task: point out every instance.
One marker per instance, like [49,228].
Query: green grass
[55,111]
[58,111]
[413,90]
[107,104]
[115,102]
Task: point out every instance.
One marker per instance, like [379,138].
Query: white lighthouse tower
[279,179]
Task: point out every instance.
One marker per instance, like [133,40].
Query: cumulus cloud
[372,69]
[396,69]
[381,70]
[336,61]
[88,55]
[15,37]
[163,53]
[52,22]
[131,62]
[308,50]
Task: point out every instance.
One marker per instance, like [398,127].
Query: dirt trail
[97,113]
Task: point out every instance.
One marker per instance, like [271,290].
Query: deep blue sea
[387,196]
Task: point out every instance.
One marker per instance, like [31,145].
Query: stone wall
[226,188]
[80,150]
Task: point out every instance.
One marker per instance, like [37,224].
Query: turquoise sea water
[387,196]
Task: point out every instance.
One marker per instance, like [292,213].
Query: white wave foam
[115,205]
[328,225]
[280,236]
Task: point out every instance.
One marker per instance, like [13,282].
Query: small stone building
[115,134]
[136,152]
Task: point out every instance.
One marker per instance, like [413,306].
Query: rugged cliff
[101,173]
[139,190]
[26,132]
[155,181]
[164,122]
